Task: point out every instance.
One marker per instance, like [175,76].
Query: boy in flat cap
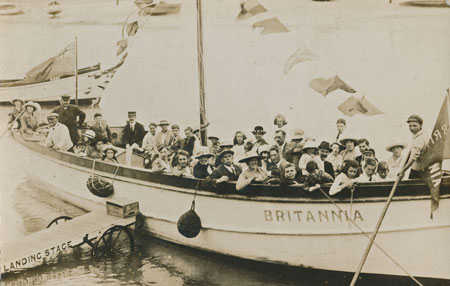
[418,144]
[68,115]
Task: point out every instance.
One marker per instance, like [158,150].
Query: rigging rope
[368,236]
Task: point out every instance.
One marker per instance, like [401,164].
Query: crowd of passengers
[295,161]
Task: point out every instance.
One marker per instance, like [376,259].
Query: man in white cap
[58,137]
[71,116]
[418,144]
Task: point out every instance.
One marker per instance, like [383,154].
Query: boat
[50,90]
[54,8]
[266,223]
[10,9]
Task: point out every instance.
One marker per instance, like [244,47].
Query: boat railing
[408,189]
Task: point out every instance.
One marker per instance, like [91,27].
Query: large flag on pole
[60,65]
[435,152]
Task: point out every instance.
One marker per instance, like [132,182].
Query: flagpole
[76,70]
[375,232]
[378,225]
[201,75]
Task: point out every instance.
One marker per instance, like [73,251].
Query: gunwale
[366,192]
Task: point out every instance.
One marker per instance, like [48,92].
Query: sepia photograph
[225,142]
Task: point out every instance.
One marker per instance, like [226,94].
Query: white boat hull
[51,91]
[295,232]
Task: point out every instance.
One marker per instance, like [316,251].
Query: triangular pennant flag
[123,44]
[132,28]
[438,149]
[300,55]
[355,105]
[250,8]
[325,86]
[271,26]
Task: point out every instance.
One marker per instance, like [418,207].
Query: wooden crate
[122,208]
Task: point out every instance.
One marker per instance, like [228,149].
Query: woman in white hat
[310,153]
[253,174]
[110,155]
[28,121]
[395,160]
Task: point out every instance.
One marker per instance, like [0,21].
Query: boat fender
[189,224]
[99,186]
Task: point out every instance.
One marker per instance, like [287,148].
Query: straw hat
[263,148]
[109,147]
[226,144]
[250,155]
[203,152]
[89,134]
[54,115]
[163,122]
[227,151]
[298,134]
[17,99]
[33,104]
[348,138]
[310,144]
[395,144]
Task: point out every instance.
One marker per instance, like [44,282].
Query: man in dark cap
[324,151]
[418,144]
[71,116]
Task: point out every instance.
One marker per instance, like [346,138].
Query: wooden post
[76,70]
[201,75]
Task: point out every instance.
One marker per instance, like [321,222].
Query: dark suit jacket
[220,171]
[201,171]
[68,117]
[135,136]
[189,144]
[328,168]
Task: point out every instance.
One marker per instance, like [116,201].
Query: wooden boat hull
[51,91]
[293,231]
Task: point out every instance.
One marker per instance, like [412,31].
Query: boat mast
[76,70]
[201,75]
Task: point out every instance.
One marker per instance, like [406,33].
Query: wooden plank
[34,248]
